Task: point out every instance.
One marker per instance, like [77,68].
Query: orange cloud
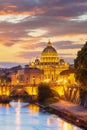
[11,10]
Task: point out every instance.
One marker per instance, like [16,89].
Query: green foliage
[51,100]
[81,60]
[81,67]
[82,93]
[45,92]
[81,77]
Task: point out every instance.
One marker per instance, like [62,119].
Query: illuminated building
[45,69]
[50,63]
[48,68]
[27,76]
[69,76]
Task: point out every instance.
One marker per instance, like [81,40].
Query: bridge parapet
[7,90]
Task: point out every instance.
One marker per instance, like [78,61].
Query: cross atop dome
[49,43]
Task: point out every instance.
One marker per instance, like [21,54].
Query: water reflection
[52,120]
[33,108]
[18,116]
[4,105]
[61,124]
[19,103]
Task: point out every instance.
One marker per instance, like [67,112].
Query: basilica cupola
[49,55]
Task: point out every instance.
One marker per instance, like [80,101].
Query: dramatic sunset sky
[27,25]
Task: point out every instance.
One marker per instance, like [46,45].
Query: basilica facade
[47,68]
[50,63]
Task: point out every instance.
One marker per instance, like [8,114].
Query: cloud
[8,44]
[37,32]
[34,45]
[65,49]
[67,45]
[80,18]
[27,25]
[16,7]
[29,55]
[12,19]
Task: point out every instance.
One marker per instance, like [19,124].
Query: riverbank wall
[71,112]
[69,117]
[68,111]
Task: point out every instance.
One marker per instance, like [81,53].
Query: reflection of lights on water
[5,105]
[18,115]
[18,104]
[74,128]
[7,108]
[33,112]
[21,119]
[34,108]
[52,120]
[65,125]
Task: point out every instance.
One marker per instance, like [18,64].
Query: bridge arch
[19,90]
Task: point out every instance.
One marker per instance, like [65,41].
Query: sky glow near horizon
[26,27]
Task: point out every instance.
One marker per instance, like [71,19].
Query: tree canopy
[5,79]
[45,92]
[81,67]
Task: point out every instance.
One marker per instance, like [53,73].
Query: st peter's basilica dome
[49,54]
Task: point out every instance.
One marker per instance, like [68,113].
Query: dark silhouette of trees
[4,79]
[45,92]
[81,73]
[81,67]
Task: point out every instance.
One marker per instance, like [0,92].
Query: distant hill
[10,64]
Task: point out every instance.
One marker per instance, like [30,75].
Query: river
[24,116]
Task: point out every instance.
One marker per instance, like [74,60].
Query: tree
[45,92]
[81,67]
[81,73]
[5,79]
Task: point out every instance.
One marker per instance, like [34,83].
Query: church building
[45,69]
[50,63]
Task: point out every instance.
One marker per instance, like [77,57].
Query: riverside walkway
[72,112]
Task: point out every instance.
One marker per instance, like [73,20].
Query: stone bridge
[7,91]
[70,93]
